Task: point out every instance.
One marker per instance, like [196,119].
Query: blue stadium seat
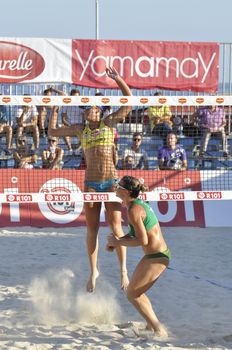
[229,163]
[119,165]
[187,143]
[191,164]
[123,140]
[153,164]
[230,141]
[151,152]
[39,163]
[72,162]
[189,153]
[10,163]
[154,143]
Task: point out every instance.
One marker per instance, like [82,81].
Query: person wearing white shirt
[139,156]
[27,118]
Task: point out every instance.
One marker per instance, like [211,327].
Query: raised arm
[53,130]
[123,111]
[113,74]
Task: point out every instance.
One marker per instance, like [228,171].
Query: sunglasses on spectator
[21,141]
[51,140]
[137,139]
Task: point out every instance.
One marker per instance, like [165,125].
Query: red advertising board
[62,212]
[143,64]
[147,64]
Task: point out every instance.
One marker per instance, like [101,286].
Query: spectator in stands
[172,156]
[72,115]
[97,138]
[139,156]
[53,155]
[5,128]
[129,162]
[160,119]
[27,119]
[212,121]
[24,157]
[191,127]
[45,112]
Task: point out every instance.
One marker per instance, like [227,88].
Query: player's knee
[117,228]
[92,233]
[131,294]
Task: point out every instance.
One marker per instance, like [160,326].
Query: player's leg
[92,214]
[35,132]
[8,130]
[113,210]
[144,276]
[205,141]
[67,140]
[19,132]
[224,143]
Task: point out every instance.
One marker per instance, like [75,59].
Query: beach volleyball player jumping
[97,140]
[144,231]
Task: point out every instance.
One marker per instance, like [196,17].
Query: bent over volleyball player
[144,230]
[97,140]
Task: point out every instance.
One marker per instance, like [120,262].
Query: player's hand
[109,248]
[112,73]
[112,241]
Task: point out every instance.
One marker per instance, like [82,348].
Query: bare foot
[124,280]
[149,327]
[91,284]
[161,332]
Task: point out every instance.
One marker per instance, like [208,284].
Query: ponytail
[134,185]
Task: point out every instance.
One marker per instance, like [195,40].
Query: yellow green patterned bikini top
[102,136]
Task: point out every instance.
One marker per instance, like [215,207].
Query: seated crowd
[167,130]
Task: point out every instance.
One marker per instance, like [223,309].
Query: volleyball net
[136,150]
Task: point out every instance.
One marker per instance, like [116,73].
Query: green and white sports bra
[150,219]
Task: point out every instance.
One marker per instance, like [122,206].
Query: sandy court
[44,304]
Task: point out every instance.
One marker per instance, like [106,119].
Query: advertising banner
[147,64]
[35,60]
[60,211]
[143,64]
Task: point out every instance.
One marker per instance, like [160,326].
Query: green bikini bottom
[165,254]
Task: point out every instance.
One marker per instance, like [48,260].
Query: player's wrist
[115,76]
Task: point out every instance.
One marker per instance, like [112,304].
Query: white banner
[111,196]
[116,100]
[35,60]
